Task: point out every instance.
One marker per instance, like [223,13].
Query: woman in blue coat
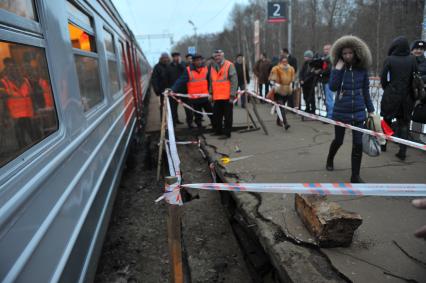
[351,59]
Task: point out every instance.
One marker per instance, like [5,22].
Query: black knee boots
[356,163]
[334,147]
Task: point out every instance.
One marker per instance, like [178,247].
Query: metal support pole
[424,23]
[174,238]
[290,26]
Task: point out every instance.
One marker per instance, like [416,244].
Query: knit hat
[308,54]
[164,55]
[418,44]
[197,56]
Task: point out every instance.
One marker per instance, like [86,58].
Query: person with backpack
[396,79]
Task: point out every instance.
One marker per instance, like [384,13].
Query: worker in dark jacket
[351,59]
[160,79]
[307,81]
[418,49]
[175,70]
[240,73]
[396,79]
[261,70]
[195,79]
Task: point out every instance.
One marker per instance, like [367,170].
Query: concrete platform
[298,155]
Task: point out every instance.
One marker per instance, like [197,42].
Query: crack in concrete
[287,236]
[279,233]
[281,236]
[385,271]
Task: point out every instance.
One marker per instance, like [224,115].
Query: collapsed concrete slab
[331,225]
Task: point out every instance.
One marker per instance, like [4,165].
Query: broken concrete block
[331,225]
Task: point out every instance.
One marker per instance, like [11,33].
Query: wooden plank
[174,239]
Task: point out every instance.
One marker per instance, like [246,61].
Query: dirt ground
[135,248]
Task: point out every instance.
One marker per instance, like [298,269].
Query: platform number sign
[192,50]
[277,12]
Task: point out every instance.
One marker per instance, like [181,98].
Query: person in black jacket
[159,78]
[307,81]
[240,74]
[418,49]
[175,71]
[396,79]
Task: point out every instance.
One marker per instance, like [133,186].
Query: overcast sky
[171,16]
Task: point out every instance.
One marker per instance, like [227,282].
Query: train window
[109,43]
[86,59]
[23,8]
[113,76]
[78,14]
[27,108]
[124,68]
[88,80]
[81,39]
[114,79]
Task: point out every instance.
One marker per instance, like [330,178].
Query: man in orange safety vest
[16,93]
[224,85]
[195,78]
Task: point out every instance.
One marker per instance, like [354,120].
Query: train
[73,82]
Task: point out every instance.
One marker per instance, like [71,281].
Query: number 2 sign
[277,12]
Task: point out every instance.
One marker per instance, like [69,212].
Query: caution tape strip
[172,192]
[201,95]
[172,95]
[341,124]
[186,142]
[343,189]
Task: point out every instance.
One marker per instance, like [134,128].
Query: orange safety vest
[19,103]
[220,82]
[197,83]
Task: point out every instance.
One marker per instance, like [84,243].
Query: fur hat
[360,48]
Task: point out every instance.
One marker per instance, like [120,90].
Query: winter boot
[334,147]
[356,163]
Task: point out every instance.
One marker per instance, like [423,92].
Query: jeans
[281,99]
[200,105]
[339,134]
[222,117]
[261,89]
[402,132]
[309,97]
[243,96]
[329,100]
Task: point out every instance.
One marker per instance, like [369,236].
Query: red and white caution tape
[185,105]
[172,192]
[239,94]
[343,189]
[337,123]
[186,142]
[191,96]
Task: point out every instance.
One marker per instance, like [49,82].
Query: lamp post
[195,34]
